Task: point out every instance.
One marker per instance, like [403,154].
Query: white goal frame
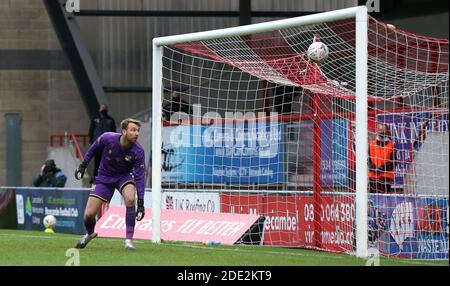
[361,141]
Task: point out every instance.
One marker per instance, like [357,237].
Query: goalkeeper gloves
[140,212]
[79,172]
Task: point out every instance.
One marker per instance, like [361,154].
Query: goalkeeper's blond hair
[125,122]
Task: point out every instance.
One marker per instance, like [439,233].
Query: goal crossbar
[260,27]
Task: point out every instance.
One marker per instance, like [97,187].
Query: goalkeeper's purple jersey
[117,161]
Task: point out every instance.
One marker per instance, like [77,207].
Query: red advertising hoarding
[290,218]
[179,225]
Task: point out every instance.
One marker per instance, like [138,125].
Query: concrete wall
[35,81]
[435,25]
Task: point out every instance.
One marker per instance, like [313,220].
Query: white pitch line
[319,256]
[57,237]
[27,236]
[181,245]
[259,251]
[418,262]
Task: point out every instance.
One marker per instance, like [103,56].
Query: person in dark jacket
[176,104]
[50,176]
[99,125]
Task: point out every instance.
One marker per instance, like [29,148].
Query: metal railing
[74,138]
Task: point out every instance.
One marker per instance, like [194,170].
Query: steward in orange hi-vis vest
[381,158]
[381,161]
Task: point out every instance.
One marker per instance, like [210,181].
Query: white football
[318,52]
[49,221]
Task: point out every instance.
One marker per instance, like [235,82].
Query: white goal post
[360,13]
[270,131]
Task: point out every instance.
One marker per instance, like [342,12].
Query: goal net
[344,155]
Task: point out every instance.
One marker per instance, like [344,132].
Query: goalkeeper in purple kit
[122,167]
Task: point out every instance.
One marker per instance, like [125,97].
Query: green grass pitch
[30,248]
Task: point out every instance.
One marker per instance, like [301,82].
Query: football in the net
[49,221]
[318,52]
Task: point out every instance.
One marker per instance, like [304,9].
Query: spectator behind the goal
[176,104]
[381,161]
[50,176]
[99,125]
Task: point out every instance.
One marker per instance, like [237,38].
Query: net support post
[156,142]
[361,132]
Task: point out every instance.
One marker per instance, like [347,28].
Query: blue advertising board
[412,227]
[242,153]
[67,205]
[408,130]
[334,151]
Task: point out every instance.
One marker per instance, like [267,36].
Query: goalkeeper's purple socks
[130,220]
[90,225]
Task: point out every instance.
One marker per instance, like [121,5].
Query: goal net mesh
[252,126]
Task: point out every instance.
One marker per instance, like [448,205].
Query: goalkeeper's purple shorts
[104,188]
